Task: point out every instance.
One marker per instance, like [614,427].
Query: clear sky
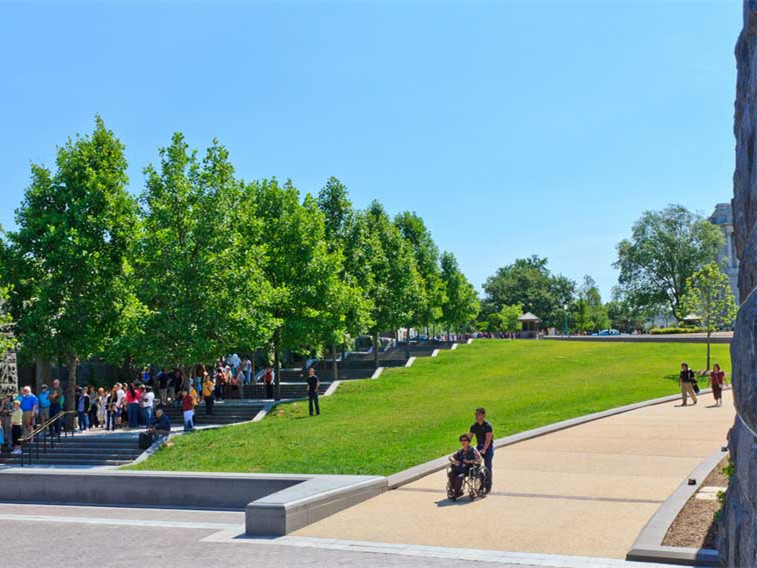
[513,128]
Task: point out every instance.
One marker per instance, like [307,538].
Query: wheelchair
[474,483]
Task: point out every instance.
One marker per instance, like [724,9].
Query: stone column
[738,531]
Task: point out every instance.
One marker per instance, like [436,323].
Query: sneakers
[16,452]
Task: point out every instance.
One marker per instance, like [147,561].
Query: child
[17,420]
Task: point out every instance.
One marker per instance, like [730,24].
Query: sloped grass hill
[412,415]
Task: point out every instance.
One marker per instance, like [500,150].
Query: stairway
[224,412]
[84,450]
[288,389]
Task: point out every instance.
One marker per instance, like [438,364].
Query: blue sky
[513,128]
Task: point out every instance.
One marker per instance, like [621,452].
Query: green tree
[349,313]
[307,298]
[461,306]
[506,319]
[529,283]
[203,289]
[7,338]
[75,228]
[429,301]
[666,248]
[385,265]
[709,296]
[589,312]
[623,314]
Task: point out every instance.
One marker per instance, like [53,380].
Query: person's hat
[17,402]
[43,387]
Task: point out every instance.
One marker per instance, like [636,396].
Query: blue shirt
[29,402]
[44,399]
[162,423]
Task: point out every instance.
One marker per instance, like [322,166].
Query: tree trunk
[41,373]
[252,372]
[407,344]
[277,370]
[73,362]
[375,350]
[708,350]
[334,365]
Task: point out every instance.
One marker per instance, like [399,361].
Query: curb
[156,445]
[410,362]
[419,471]
[648,545]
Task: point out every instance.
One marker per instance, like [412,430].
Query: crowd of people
[139,404]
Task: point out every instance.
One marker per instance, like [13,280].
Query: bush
[667,330]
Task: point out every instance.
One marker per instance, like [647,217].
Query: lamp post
[565,307]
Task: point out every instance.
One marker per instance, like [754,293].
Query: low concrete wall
[138,488]
[683,338]
[274,504]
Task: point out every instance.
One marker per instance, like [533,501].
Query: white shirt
[119,398]
[149,399]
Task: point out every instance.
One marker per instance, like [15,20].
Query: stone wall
[738,530]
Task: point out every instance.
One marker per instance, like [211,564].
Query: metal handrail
[34,436]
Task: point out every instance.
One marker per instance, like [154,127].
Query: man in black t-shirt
[484,433]
[313,384]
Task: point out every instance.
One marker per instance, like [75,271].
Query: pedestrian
[686,381]
[717,382]
[313,384]
[29,407]
[111,407]
[102,407]
[82,409]
[56,403]
[44,404]
[132,405]
[17,421]
[268,379]
[247,367]
[162,386]
[147,402]
[93,406]
[207,394]
[120,396]
[484,433]
[188,410]
[6,410]
[220,383]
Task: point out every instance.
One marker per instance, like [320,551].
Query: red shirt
[188,403]
[717,377]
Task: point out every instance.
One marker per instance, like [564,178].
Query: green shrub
[668,330]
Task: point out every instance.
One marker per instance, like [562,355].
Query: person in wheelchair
[461,463]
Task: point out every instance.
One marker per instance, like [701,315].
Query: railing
[43,435]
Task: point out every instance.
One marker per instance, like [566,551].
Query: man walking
[313,384]
[484,433]
[268,382]
[686,381]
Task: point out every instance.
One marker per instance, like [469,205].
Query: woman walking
[717,381]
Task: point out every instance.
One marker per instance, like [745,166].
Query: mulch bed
[695,525]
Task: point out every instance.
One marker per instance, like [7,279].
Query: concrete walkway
[585,491]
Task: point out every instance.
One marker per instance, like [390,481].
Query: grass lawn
[413,415]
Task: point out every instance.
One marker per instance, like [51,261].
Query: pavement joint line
[544,496]
[451,553]
[119,522]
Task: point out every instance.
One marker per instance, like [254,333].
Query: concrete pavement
[586,491]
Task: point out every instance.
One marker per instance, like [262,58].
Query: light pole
[565,307]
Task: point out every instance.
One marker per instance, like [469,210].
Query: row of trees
[204,262]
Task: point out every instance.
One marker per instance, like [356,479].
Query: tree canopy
[666,248]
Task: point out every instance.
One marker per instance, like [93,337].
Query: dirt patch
[695,525]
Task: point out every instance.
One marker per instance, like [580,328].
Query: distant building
[723,218]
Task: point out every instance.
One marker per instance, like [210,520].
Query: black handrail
[33,438]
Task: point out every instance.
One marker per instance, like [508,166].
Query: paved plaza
[586,490]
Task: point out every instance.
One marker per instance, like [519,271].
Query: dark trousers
[209,405]
[313,401]
[132,411]
[110,420]
[269,390]
[54,411]
[83,420]
[456,475]
[488,457]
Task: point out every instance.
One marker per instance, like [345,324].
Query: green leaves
[709,297]
[666,248]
